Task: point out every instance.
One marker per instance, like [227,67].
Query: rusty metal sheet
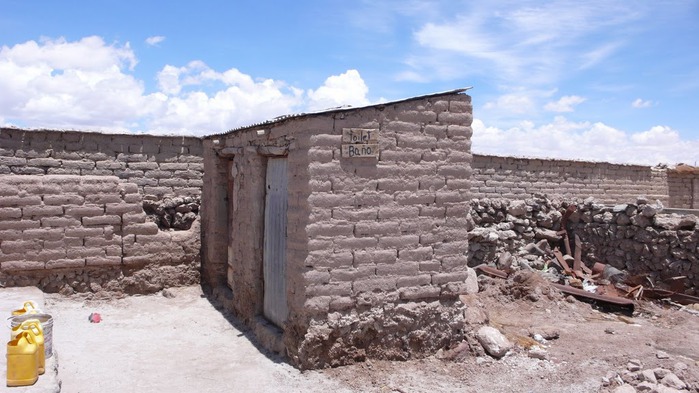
[566,242]
[491,271]
[681,298]
[620,301]
[561,261]
[578,254]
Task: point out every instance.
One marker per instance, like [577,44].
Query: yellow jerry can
[22,360]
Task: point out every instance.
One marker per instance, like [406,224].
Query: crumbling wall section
[52,174]
[518,178]
[635,237]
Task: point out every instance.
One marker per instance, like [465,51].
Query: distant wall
[72,212]
[516,178]
[159,165]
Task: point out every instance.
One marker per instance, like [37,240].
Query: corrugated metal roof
[284,118]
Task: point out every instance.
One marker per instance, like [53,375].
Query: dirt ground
[184,344]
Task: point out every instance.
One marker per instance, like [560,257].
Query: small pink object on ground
[95,318]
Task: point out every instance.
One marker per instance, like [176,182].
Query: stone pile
[637,238]
[172,213]
[637,379]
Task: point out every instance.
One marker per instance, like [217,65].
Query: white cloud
[88,84]
[564,104]
[511,103]
[344,89]
[155,40]
[639,103]
[597,55]
[62,84]
[529,42]
[565,139]
[657,136]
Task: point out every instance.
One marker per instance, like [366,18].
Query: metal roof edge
[283,118]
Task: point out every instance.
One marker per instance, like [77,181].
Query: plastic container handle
[30,339]
[34,326]
[29,304]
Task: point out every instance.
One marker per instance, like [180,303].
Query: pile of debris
[636,379]
[172,213]
[629,248]
[591,281]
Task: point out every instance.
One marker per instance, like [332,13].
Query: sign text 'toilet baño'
[360,142]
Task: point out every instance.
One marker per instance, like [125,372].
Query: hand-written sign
[360,150]
[360,135]
[360,142]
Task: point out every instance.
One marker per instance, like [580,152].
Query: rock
[547,332]
[648,376]
[460,353]
[666,389]
[67,290]
[494,342]
[675,221]
[168,293]
[475,316]
[619,208]
[662,355]
[671,380]
[537,352]
[544,245]
[548,234]
[649,211]
[641,200]
[623,219]
[679,367]
[661,373]
[645,387]
[539,338]
[517,208]
[641,221]
[633,365]
[534,249]
[471,281]
[625,388]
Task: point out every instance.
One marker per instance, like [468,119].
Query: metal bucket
[46,325]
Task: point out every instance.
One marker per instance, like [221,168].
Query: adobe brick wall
[375,248]
[75,200]
[517,178]
[683,189]
[159,165]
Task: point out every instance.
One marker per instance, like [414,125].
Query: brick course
[517,178]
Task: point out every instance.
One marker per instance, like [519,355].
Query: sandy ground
[184,344]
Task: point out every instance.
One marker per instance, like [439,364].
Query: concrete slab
[12,299]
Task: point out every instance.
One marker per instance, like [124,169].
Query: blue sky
[596,80]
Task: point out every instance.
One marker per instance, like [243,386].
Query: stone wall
[514,178]
[76,200]
[636,237]
[375,247]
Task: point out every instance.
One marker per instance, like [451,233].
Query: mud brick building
[342,234]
